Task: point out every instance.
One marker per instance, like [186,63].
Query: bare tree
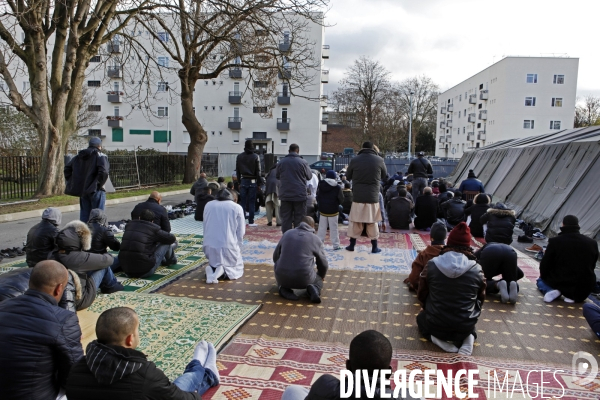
[58,39]
[18,136]
[587,112]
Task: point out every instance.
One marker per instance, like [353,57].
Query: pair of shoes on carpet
[555,294]
[534,248]
[313,293]
[539,236]
[524,239]
[117,287]
[465,349]
[287,294]
[12,252]
[508,293]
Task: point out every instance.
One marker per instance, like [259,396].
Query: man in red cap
[452,292]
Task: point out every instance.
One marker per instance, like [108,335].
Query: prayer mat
[260,367]
[189,257]
[356,301]
[361,259]
[170,327]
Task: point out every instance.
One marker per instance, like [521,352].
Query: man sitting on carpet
[199,185]
[399,211]
[145,247]
[567,267]
[369,351]
[102,236]
[438,235]
[225,221]
[40,341]
[113,369]
[294,259]
[452,292]
[161,217]
[40,238]
[202,198]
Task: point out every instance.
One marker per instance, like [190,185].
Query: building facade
[513,98]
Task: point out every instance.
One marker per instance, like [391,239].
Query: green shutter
[140,132]
[161,137]
[117,134]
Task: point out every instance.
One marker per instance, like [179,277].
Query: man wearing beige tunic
[366,171]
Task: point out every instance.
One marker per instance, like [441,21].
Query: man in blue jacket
[472,184]
[85,176]
[40,340]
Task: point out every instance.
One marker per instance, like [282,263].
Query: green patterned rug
[170,327]
[189,257]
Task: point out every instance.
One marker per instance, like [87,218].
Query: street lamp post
[410,124]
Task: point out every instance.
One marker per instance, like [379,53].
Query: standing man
[420,168]
[365,171]
[293,172]
[247,167]
[85,176]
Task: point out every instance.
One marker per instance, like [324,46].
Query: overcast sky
[451,40]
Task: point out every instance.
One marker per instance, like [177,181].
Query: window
[528,124]
[260,32]
[479,125]
[481,87]
[465,95]
[220,133]
[25,86]
[212,133]
[96,59]
[163,36]
[3,85]
[557,102]
[530,101]
[205,83]
[116,111]
[94,108]
[259,110]
[163,86]
[214,108]
[559,79]
[205,108]
[460,97]
[163,111]
[163,61]
[214,83]
[220,108]
[531,78]
[94,132]
[464,129]
[261,58]
[261,84]
[140,132]
[284,137]
[480,106]
[554,124]
[194,110]
[236,137]
[117,135]
[459,114]
[116,86]
[448,101]
[162,136]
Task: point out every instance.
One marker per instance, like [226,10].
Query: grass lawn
[64,200]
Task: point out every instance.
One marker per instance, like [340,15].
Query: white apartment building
[513,98]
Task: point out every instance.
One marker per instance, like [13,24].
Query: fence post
[20,178]
[137,168]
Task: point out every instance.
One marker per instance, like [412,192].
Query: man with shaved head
[199,185]
[113,369]
[40,341]
[161,217]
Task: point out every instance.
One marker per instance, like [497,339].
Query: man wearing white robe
[224,229]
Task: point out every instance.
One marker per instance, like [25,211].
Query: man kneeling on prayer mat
[113,369]
[224,229]
[452,292]
[295,257]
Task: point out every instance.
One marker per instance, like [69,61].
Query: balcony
[442,110]
[473,99]
[484,95]
[235,73]
[448,138]
[442,146]
[472,118]
[234,123]
[115,121]
[114,71]
[114,97]
[283,98]
[113,47]
[284,46]
[483,115]
[442,139]
[324,123]
[283,124]
[442,125]
[324,100]
[285,74]
[449,123]
[325,76]
[235,97]
[450,108]
[325,51]
[471,136]
[481,135]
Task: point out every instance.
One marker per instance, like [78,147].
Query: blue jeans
[591,312]
[90,201]
[164,253]
[196,378]
[248,197]
[116,265]
[103,278]
[543,286]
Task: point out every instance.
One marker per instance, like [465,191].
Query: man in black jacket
[85,176]
[201,200]
[500,222]
[113,368]
[426,210]
[567,267]
[293,172]
[40,238]
[247,167]
[199,185]
[146,246]
[399,211]
[102,236]
[420,168]
[161,217]
[454,210]
[40,341]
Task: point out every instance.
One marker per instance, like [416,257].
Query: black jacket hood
[110,363]
[87,153]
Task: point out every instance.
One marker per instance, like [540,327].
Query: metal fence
[18,177]
[440,168]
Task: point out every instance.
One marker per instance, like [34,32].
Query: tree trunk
[198,137]
[51,180]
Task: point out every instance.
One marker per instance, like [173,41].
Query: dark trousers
[291,212]
[418,184]
[318,282]
[446,335]
[248,197]
[591,312]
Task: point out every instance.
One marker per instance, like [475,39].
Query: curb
[75,207]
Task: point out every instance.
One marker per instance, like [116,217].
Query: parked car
[326,165]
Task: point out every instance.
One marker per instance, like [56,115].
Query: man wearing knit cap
[329,198]
[85,176]
[452,292]
[567,267]
[247,168]
[472,184]
[438,238]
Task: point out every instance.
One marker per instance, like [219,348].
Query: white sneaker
[252,225]
[552,295]
[567,300]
